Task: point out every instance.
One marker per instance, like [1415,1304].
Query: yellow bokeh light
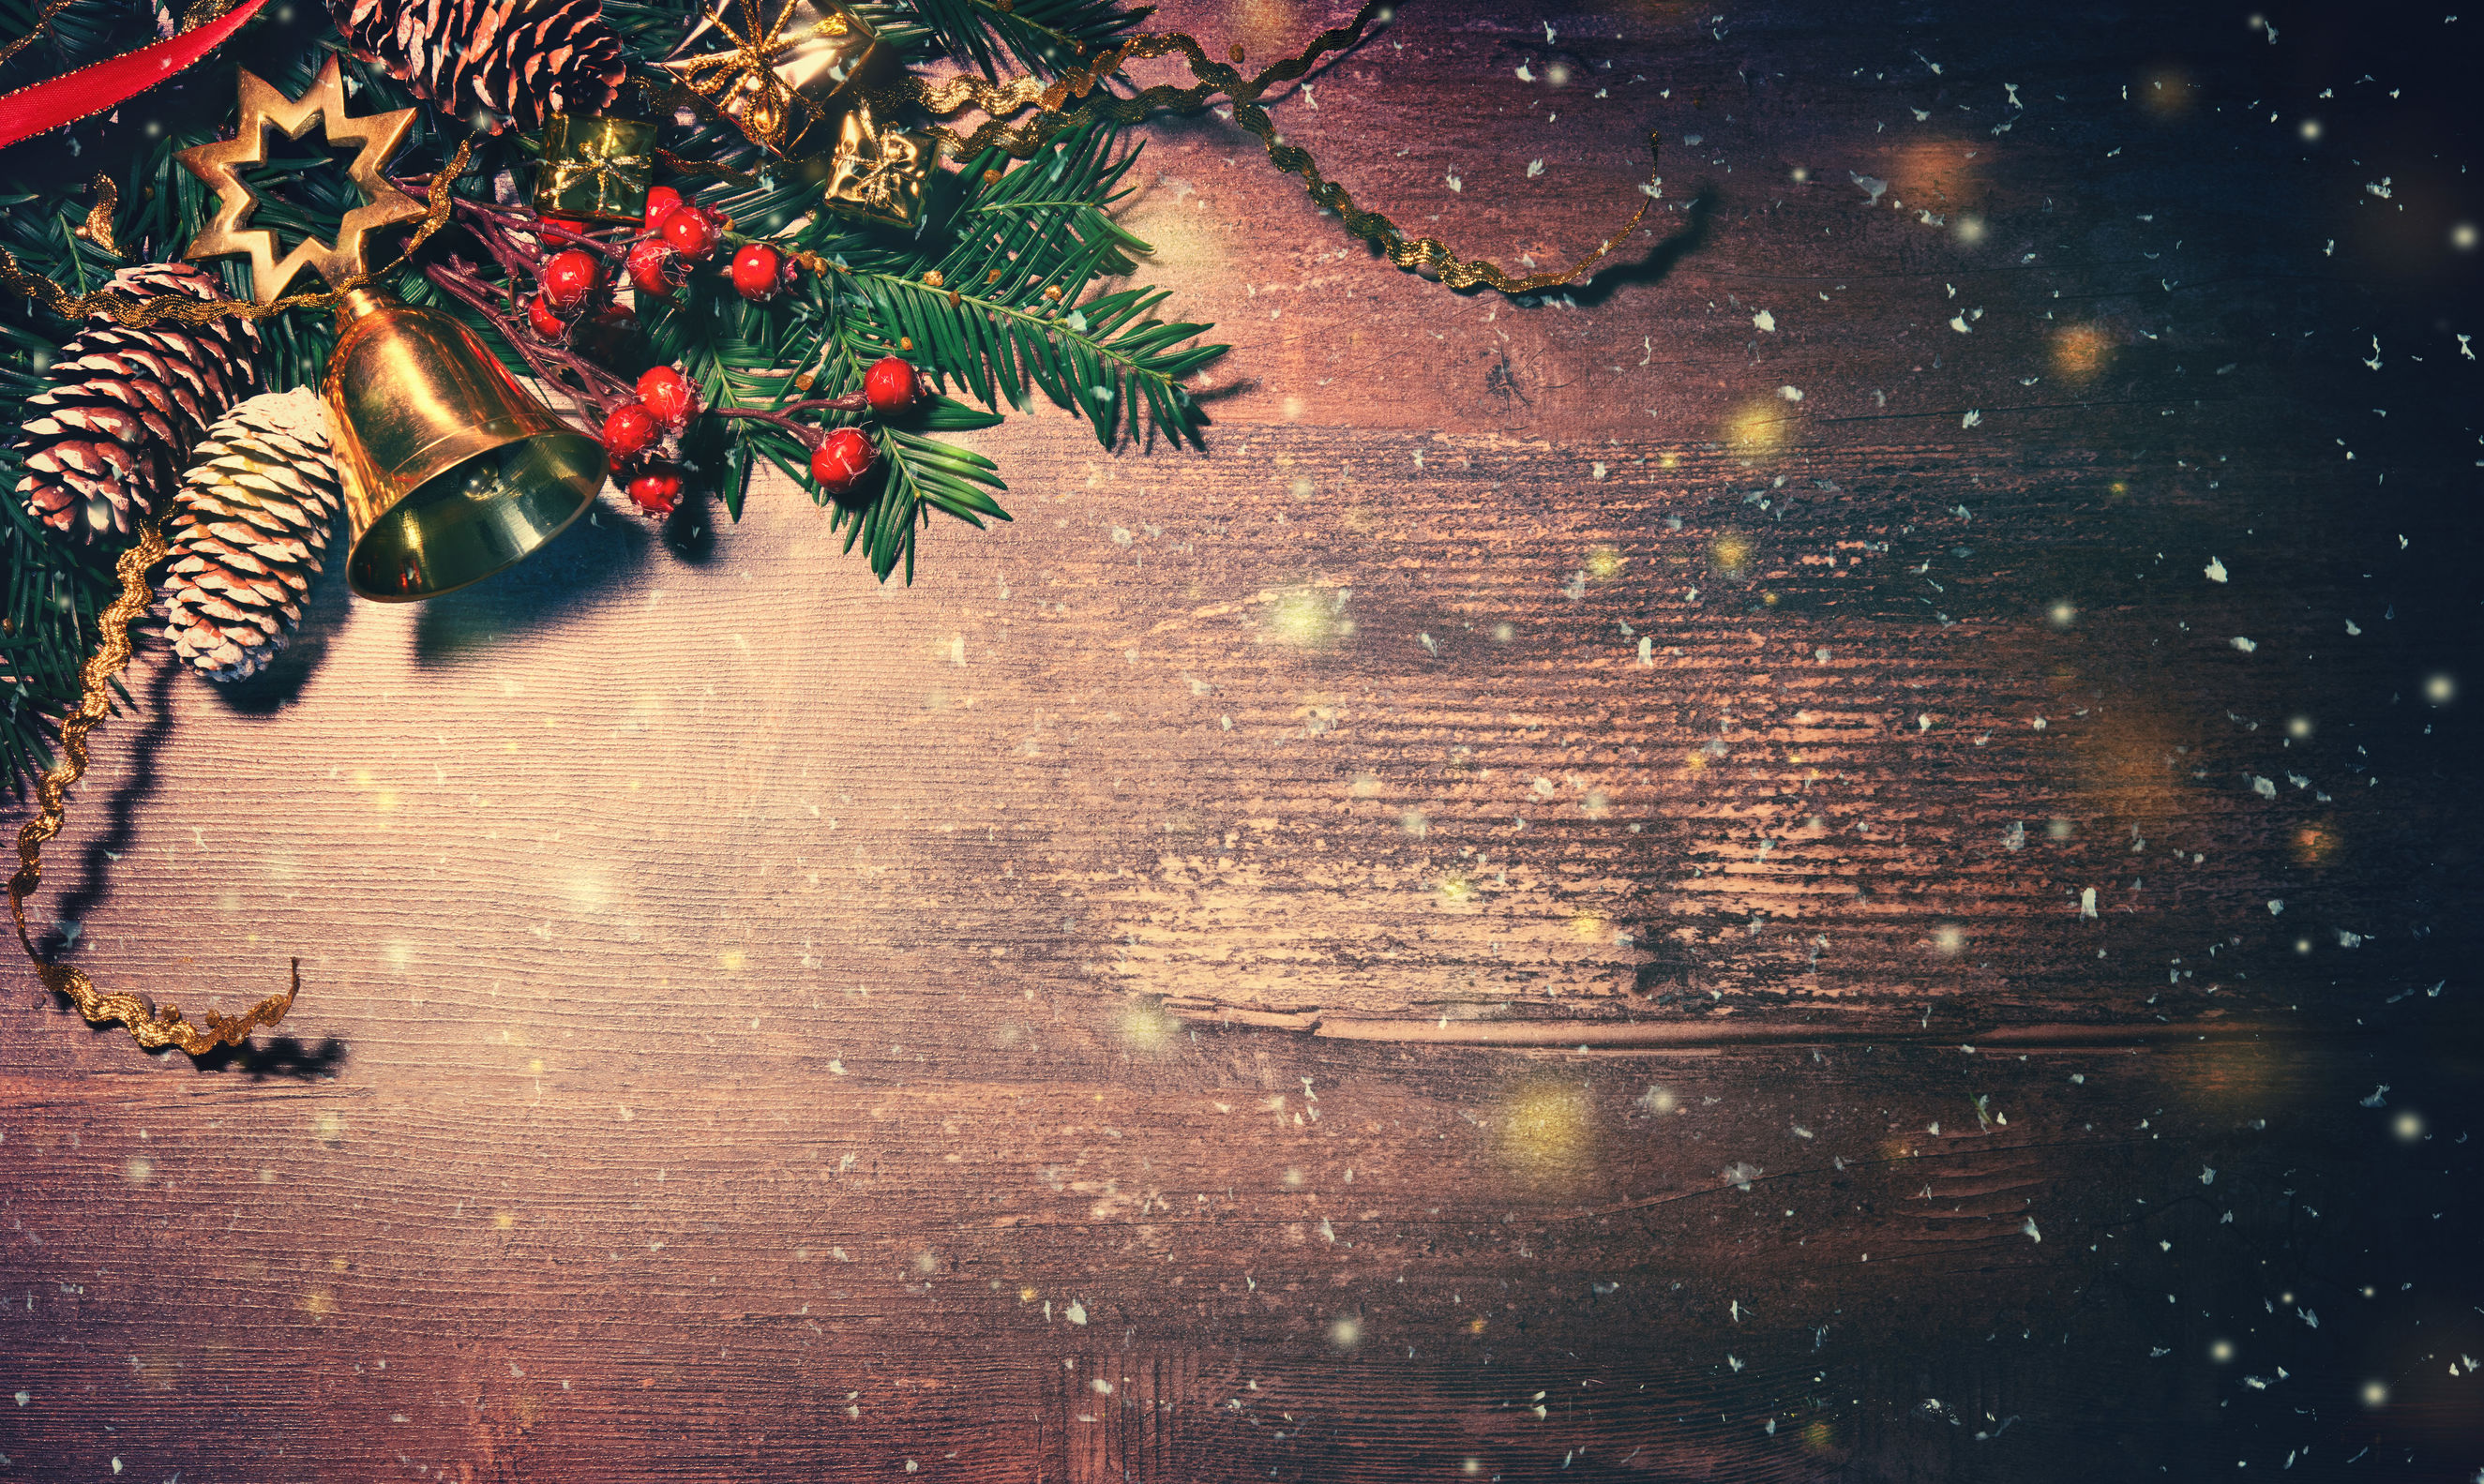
[1145,1027]
[1730,552]
[1604,563]
[1304,617]
[1547,1129]
[2080,352]
[2315,844]
[1757,429]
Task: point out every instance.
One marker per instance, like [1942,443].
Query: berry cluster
[573,291]
[843,461]
[671,238]
[642,438]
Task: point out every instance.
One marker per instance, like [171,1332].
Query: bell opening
[478,517]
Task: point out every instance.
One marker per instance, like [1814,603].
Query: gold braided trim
[1215,79]
[1219,79]
[182,310]
[152,1025]
[42,24]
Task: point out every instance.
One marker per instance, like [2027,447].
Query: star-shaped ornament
[381,136]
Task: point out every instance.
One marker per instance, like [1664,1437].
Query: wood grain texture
[1513,918]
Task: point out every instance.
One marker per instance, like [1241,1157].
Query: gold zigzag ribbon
[1219,79]
[181,309]
[154,1025]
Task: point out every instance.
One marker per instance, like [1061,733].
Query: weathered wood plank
[762,1025]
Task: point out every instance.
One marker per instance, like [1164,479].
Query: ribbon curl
[154,1025]
[1220,79]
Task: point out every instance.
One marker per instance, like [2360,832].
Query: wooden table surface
[1848,854]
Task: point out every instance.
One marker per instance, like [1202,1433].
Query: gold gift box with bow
[594,169]
[877,176]
[777,69]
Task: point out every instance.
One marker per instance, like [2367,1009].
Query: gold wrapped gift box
[880,177]
[594,169]
[777,69]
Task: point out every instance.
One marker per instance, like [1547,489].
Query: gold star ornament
[263,108]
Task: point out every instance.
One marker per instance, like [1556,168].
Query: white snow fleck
[2207,1175]
[1766,322]
[1454,183]
[2214,571]
[1523,75]
[1873,186]
[1973,417]
[2276,905]
[2086,902]
[1075,1313]
[1740,1175]
[1791,394]
[2265,788]
[2030,1230]
[1958,322]
[2376,1099]
[2243,644]
[1534,168]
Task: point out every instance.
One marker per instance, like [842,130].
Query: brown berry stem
[777,417]
[595,390]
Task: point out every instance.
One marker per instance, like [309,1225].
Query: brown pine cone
[102,443]
[518,59]
[249,524]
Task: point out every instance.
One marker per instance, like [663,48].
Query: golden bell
[451,471]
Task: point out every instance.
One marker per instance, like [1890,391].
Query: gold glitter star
[381,135]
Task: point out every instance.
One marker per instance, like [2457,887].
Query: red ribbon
[107,85]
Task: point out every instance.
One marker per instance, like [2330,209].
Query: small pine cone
[247,526]
[102,444]
[521,60]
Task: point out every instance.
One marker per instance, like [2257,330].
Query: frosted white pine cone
[249,525]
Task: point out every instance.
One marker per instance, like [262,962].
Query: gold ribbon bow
[764,77]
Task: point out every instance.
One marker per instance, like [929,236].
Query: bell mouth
[479,515]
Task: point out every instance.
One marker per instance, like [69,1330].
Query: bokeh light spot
[2080,352]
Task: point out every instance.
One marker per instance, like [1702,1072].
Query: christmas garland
[810,287]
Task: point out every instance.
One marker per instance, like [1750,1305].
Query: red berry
[544,320]
[892,385]
[667,393]
[569,277]
[657,490]
[662,202]
[630,431]
[756,271]
[844,459]
[653,269]
[689,231]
